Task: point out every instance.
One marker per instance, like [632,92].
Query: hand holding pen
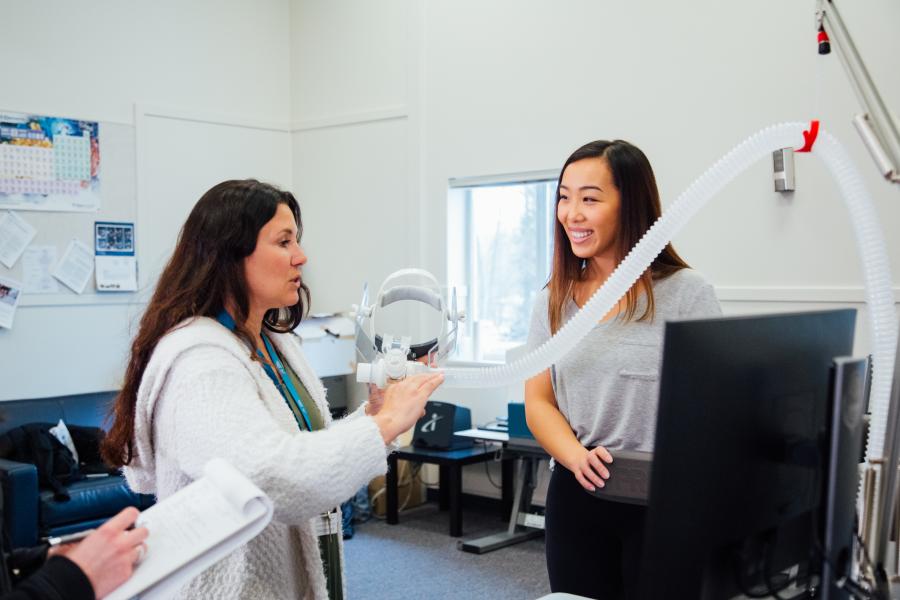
[107,555]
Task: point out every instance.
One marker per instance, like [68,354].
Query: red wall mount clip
[809,136]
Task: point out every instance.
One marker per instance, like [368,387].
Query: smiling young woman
[602,395]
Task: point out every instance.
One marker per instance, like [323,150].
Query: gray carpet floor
[417,559]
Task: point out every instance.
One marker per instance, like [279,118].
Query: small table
[450,463]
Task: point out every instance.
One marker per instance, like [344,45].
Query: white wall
[366,110]
[351,142]
[95,59]
[355,145]
[529,82]
[516,85]
[221,72]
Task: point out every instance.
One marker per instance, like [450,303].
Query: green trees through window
[499,250]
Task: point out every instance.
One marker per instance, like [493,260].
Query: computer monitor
[850,386]
[741,451]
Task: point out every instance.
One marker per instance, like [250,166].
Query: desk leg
[521,504]
[390,482]
[455,492]
[507,494]
[524,467]
[443,487]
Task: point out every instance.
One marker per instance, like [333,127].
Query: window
[499,248]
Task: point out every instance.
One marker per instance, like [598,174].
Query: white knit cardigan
[202,397]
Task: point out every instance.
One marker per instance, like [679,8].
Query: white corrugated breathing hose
[869,239]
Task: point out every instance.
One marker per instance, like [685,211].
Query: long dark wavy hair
[206,271]
[639,208]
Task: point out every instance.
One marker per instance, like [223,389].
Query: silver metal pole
[888,492]
[877,127]
[879,133]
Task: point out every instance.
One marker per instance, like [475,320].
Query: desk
[450,463]
[524,523]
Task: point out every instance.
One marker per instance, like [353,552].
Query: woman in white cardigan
[215,372]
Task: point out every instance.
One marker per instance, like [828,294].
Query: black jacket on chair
[33,443]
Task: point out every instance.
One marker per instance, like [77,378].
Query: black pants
[593,545]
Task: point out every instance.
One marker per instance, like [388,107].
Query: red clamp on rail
[823,41]
[809,136]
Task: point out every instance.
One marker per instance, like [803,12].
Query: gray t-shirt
[607,387]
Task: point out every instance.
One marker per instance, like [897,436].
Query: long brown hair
[205,271]
[639,208]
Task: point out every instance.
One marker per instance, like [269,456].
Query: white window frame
[464,185]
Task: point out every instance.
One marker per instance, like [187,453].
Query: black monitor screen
[738,458]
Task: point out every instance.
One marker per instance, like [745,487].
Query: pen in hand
[71,538]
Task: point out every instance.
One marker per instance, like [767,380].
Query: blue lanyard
[225,319]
